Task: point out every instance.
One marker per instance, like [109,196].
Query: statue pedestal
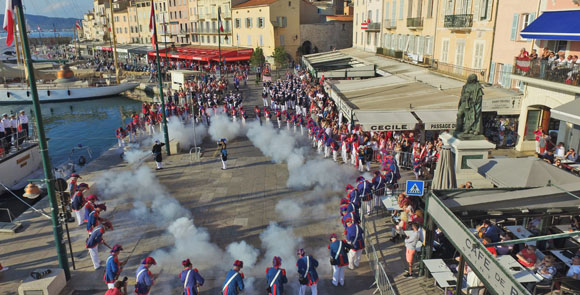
[464,150]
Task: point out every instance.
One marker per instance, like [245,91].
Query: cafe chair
[569,286]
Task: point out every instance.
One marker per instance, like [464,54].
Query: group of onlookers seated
[553,65]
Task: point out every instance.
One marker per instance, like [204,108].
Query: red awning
[204,54]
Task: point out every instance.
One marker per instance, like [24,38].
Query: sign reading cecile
[390,127]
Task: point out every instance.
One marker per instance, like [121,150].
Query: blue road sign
[415,187]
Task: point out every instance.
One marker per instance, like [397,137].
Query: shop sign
[391,127]
[496,278]
[502,105]
[440,126]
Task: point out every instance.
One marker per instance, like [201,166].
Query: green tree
[280,57]
[257,59]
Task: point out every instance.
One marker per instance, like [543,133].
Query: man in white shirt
[574,271]
[560,150]
[23,121]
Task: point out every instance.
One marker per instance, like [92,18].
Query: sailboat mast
[16,46]
[114,42]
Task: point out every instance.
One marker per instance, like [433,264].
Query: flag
[152,24]
[9,16]
[78,25]
[39,29]
[523,63]
[220,25]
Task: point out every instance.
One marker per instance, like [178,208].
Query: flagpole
[165,38]
[159,77]
[219,71]
[114,42]
[49,178]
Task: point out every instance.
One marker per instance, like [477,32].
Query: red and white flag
[9,16]
[152,24]
[364,25]
[523,63]
[78,25]
[220,25]
[39,29]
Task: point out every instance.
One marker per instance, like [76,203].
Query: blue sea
[90,123]
[47,34]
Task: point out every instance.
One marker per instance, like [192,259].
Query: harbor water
[88,126]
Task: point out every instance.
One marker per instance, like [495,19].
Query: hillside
[46,23]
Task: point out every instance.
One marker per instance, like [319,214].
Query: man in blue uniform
[78,203]
[365,192]
[113,266]
[190,278]
[307,275]
[234,282]
[353,196]
[93,242]
[355,238]
[145,279]
[276,277]
[378,186]
[338,258]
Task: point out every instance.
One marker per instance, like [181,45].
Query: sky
[54,8]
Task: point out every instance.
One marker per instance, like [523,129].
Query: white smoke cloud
[289,209]
[280,241]
[184,134]
[136,156]
[222,127]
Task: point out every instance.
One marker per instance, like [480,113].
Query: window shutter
[387,10]
[509,76]
[489,5]
[532,18]
[284,23]
[394,13]
[514,34]
[401,8]
[491,73]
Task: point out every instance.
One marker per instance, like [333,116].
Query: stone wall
[327,36]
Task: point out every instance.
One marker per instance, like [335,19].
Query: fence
[382,282]
[546,70]
[15,140]
[458,71]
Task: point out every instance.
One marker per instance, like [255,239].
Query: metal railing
[458,21]
[194,154]
[374,27]
[559,72]
[390,24]
[458,71]
[16,141]
[382,283]
[415,22]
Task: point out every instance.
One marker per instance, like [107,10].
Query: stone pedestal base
[52,284]
[463,150]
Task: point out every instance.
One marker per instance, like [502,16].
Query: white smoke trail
[184,134]
[222,127]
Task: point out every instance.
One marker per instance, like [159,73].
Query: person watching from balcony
[571,155]
[574,65]
[523,53]
[560,150]
[534,55]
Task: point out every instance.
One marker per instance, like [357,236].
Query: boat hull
[20,96]
[15,168]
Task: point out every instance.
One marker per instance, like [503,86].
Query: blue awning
[555,25]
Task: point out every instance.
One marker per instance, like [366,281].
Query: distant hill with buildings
[47,23]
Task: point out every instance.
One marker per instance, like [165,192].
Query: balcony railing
[213,31]
[374,27]
[390,24]
[559,72]
[458,71]
[458,21]
[415,22]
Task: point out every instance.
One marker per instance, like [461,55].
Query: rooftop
[253,3]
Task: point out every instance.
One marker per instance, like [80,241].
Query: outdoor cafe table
[445,279]
[436,265]
[520,273]
[391,203]
[520,232]
[567,228]
[560,254]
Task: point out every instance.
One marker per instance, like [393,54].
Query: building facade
[207,14]
[179,25]
[368,18]
[512,18]
[551,89]
[409,29]
[464,41]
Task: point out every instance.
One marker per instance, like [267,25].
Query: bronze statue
[469,120]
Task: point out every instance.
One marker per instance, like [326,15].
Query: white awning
[438,119]
[385,121]
[569,112]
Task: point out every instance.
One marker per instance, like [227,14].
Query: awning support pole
[534,239]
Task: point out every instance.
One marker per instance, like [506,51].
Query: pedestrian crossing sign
[415,187]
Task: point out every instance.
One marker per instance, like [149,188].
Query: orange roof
[344,18]
[251,3]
